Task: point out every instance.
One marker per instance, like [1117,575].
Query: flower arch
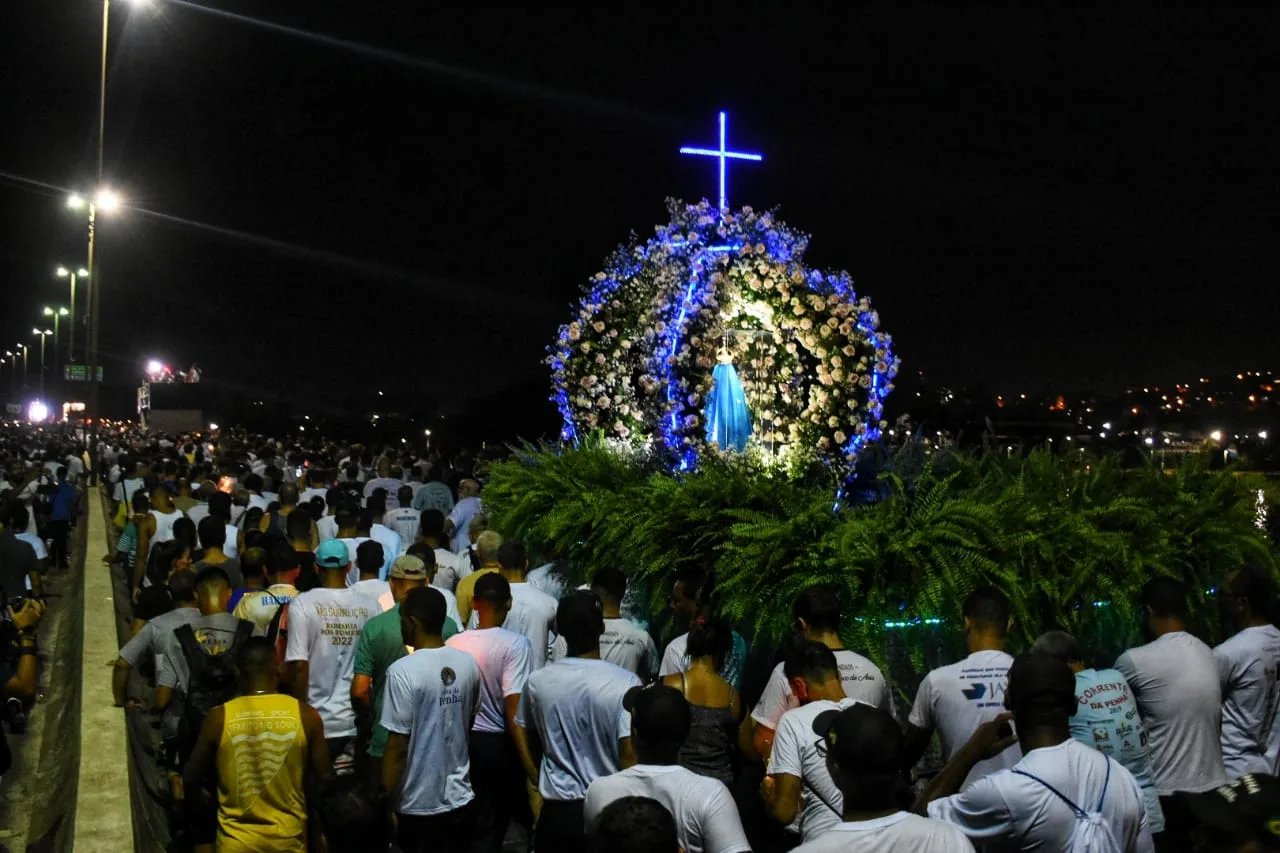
[635,363]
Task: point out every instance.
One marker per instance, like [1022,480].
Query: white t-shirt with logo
[449,569]
[900,832]
[624,643]
[861,678]
[706,817]
[575,705]
[1008,807]
[324,625]
[1247,665]
[1175,682]
[432,696]
[956,699]
[795,752]
[504,660]
[533,614]
[260,605]
[404,523]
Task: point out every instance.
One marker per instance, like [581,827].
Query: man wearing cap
[1059,796]
[798,784]
[1240,817]
[505,662]
[576,729]
[380,645]
[324,624]
[706,817]
[863,748]
[1106,717]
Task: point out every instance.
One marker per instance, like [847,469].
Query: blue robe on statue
[728,419]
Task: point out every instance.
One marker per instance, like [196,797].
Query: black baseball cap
[659,714]
[863,739]
[1247,809]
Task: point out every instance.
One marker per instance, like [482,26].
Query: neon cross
[722,155]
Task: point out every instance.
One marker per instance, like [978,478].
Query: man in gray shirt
[1174,679]
[1247,665]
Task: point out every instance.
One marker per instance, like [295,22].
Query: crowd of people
[345,657]
[40,502]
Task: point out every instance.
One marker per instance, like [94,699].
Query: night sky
[1033,200]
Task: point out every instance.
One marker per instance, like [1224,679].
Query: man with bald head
[458,524]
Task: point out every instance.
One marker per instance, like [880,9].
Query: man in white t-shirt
[369,560]
[817,620]
[798,784]
[706,817]
[1174,679]
[324,624]
[1058,795]
[450,567]
[624,642]
[505,664]
[404,520]
[1247,665]
[533,612]
[428,711]
[379,532]
[574,722]
[863,748]
[956,699]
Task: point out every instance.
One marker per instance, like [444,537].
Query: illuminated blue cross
[723,156]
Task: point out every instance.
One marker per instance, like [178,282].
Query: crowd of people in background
[342,655]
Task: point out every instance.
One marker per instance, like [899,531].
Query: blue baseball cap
[333,554]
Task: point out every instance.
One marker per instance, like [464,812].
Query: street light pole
[57,314]
[45,333]
[25,355]
[63,272]
[94,295]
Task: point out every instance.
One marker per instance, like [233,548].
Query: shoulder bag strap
[191,648]
[1079,812]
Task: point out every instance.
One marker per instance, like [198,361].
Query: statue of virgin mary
[728,418]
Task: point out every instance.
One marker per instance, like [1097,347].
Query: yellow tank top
[261,803]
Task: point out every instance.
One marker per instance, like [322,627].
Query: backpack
[1092,833]
[212,680]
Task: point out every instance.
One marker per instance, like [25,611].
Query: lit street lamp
[63,272]
[43,333]
[57,314]
[108,202]
[25,354]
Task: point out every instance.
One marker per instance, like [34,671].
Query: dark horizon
[1034,200]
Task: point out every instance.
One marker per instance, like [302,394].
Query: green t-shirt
[381,644]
